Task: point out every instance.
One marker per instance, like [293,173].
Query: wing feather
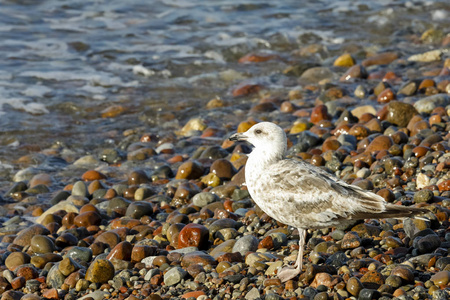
[315,191]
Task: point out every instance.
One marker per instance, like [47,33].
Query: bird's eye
[258,131]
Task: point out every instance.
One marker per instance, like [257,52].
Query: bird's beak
[238,137]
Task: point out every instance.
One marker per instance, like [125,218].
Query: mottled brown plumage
[304,196]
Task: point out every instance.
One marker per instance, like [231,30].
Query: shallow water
[63,62]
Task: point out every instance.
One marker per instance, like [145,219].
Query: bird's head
[267,137]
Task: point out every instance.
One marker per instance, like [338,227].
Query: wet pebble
[351,240]
[193,235]
[42,244]
[174,276]
[248,243]
[100,271]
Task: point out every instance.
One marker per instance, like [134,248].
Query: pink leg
[288,273]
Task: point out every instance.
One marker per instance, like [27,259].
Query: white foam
[36,91]
[439,15]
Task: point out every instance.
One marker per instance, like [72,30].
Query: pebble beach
[118,181]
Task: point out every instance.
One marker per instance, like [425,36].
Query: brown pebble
[195,235]
[223,168]
[372,279]
[245,89]
[379,143]
[121,251]
[109,238]
[356,71]
[350,240]
[41,178]
[322,279]
[380,59]
[444,186]
[386,96]
[27,272]
[92,175]
[18,282]
[404,273]
[319,113]
[190,170]
[138,177]
[16,259]
[87,219]
[100,271]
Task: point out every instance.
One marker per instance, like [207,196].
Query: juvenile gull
[304,196]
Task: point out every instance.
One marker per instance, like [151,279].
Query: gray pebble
[55,278]
[245,244]
[174,276]
[80,253]
[79,189]
[204,198]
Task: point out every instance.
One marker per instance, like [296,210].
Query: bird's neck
[262,157]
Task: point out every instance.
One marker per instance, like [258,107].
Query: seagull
[304,196]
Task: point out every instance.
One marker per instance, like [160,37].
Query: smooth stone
[429,56]
[225,247]
[404,273]
[247,243]
[442,263]
[190,170]
[221,224]
[87,219]
[24,236]
[379,143]
[369,294]
[337,259]
[271,270]
[80,253]
[39,261]
[138,177]
[345,60]
[100,271]
[428,243]
[79,189]
[96,295]
[121,251]
[409,88]
[117,203]
[356,71]
[68,266]
[351,240]
[42,244]
[316,74]
[223,168]
[394,281]
[428,104]
[400,113]
[138,209]
[197,257]
[109,237]
[174,276]
[12,295]
[194,235]
[55,278]
[25,174]
[423,196]
[253,294]
[441,278]
[204,198]
[62,205]
[16,259]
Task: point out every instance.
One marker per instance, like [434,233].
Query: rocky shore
[168,216]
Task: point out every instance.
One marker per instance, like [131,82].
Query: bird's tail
[392,211]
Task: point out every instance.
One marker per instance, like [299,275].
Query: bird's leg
[288,273]
[301,246]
